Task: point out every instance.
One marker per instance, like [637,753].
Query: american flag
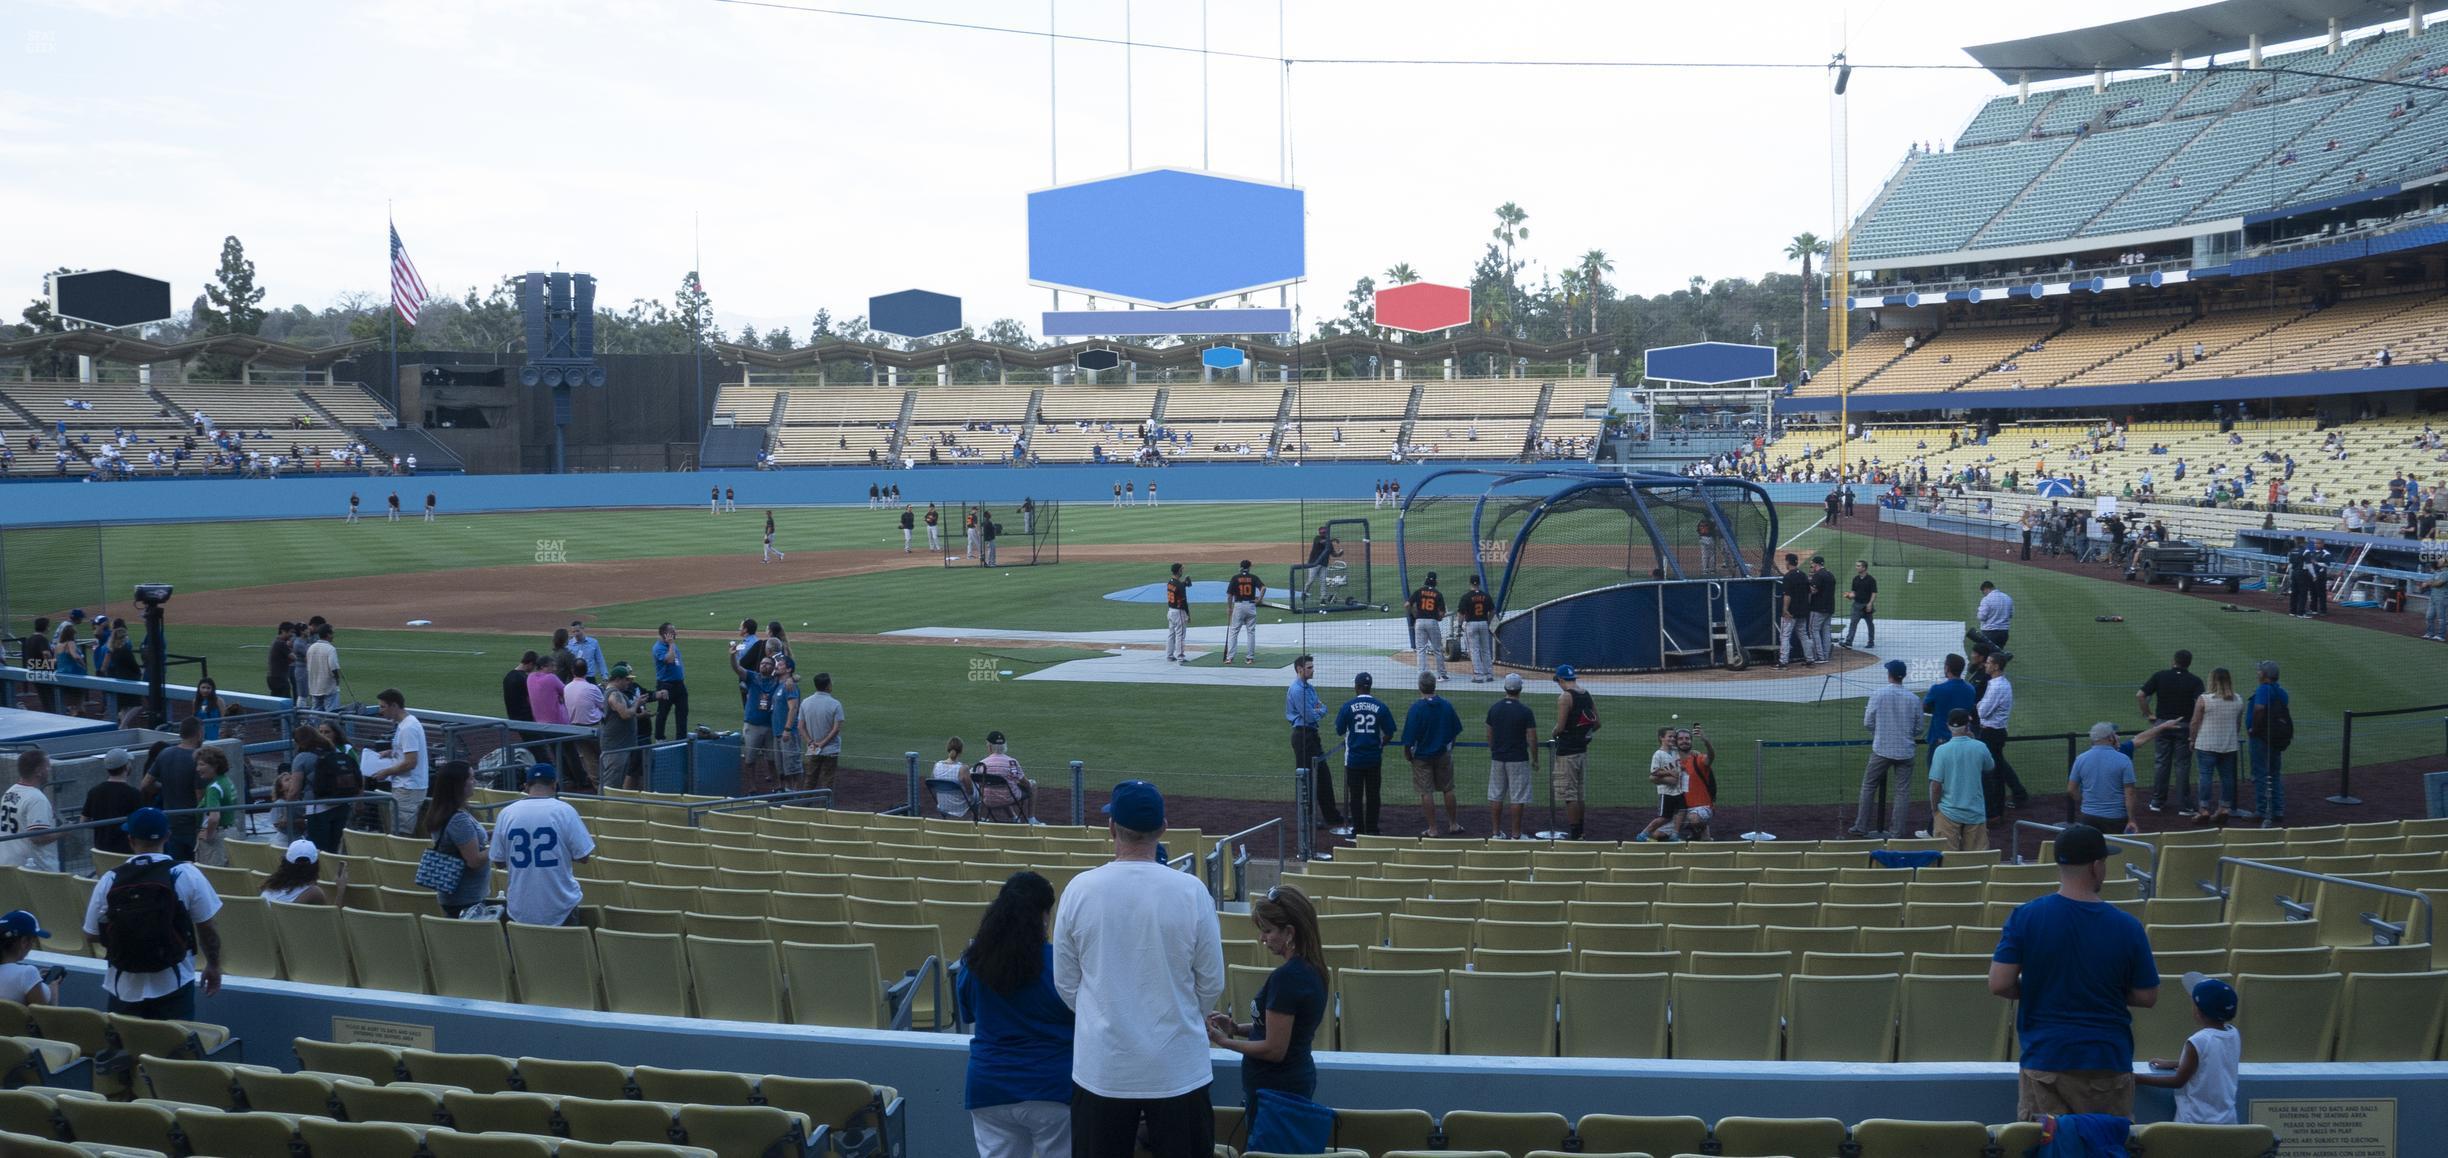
[407,289]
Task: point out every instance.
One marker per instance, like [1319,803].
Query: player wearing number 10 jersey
[540,840]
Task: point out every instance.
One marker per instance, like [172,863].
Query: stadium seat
[644,972]
[149,1037]
[1852,964]
[2272,935]
[1598,961]
[602,1081]
[1443,960]
[1953,1018]
[2392,1017]
[509,1111]
[1737,964]
[1408,932]
[1841,1018]
[200,1083]
[1640,938]
[1503,1014]
[374,1063]
[1484,960]
[249,947]
[388,949]
[469,959]
[216,1132]
[1378,1131]
[2160,1031]
[609,1120]
[2353,959]
[31,1061]
[2280,962]
[1520,935]
[1391,1011]
[314,943]
[2290,1018]
[139,1124]
[1627,1133]
[1514,1135]
[2182,1140]
[483,1073]
[556,965]
[1727,1018]
[398,1102]
[834,985]
[1894,1138]
[1799,940]
[741,1131]
[1740,1137]
[361,1139]
[747,979]
[628,920]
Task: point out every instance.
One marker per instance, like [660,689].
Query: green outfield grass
[2070,670]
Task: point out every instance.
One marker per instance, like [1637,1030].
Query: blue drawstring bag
[1907,858]
[1290,1124]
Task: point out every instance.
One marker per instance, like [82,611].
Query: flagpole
[391,232]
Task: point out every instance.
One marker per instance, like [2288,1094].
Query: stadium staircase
[179,413]
[1538,421]
[402,441]
[2279,324]
[1411,411]
[773,423]
[900,430]
[1972,240]
[1283,415]
[25,416]
[1156,413]
[304,399]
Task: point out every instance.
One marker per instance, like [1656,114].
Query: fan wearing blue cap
[1139,959]
[2204,1078]
[153,915]
[2077,965]
[21,934]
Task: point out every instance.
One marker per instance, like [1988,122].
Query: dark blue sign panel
[1098,359]
[1166,237]
[1135,323]
[1222,357]
[110,297]
[914,314]
[1711,363]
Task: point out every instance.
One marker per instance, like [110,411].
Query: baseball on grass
[1672,716]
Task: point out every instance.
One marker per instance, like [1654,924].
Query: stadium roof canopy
[123,347]
[2149,41]
[1186,354]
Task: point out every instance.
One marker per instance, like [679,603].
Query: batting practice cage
[1639,572]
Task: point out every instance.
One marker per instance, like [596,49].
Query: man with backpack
[150,915]
[2270,727]
[1576,721]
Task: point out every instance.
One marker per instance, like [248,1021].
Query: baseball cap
[1364,681]
[2268,668]
[20,923]
[2079,844]
[1896,668]
[304,850]
[577,623]
[115,758]
[537,772]
[2215,998]
[620,671]
[1137,806]
[76,615]
[146,824]
[995,737]
[1512,682]
[1564,671]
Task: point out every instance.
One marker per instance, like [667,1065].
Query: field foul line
[1815,525]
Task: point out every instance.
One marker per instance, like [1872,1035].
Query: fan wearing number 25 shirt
[540,840]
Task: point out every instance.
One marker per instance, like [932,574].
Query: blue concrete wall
[929,1069]
[172,500]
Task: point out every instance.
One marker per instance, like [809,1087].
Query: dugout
[1609,572]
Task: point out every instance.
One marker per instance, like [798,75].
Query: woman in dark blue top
[1019,1089]
[1274,1046]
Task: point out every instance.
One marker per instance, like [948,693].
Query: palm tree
[1574,286]
[1804,247]
[1594,268]
[1509,229]
[1402,274]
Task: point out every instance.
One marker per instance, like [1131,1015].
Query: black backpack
[145,929]
[2275,725]
[336,775]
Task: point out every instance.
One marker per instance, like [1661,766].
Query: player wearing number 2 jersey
[540,840]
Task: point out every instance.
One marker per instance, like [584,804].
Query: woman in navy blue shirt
[1019,1089]
[1274,1046]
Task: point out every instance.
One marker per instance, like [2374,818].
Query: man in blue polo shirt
[2077,964]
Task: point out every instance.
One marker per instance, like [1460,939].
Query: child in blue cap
[2205,1077]
[20,934]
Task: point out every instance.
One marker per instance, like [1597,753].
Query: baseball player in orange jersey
[1177,617]
[1427,615]
[1478,612]
[1243,591]
[969,544]
[934,519]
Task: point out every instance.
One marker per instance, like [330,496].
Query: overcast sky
[828,158]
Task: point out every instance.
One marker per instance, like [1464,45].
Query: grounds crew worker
[1477,612]
[1426,613]
[1177,617]
[1243,591]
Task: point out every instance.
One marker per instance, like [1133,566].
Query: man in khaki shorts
[1429,731]
[1576,723]
[2076,964]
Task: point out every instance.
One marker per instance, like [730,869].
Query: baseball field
[441,610]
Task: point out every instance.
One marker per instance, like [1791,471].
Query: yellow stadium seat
[1841,1018]
[1503,1014]
[1953,1018]
[1727,1018]
[643,972]
[2392,1017]
[1613,1015]
[1392,1011]
[2289,1018]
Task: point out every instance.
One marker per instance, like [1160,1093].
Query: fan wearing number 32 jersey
[540,840]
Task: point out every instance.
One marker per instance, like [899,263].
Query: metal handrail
[2149,877]
[384,799]
[2388,932]
[1215,859]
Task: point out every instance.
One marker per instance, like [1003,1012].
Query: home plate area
[1381,648]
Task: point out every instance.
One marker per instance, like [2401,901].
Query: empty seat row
[1412,1133]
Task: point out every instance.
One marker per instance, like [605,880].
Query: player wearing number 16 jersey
[540,840]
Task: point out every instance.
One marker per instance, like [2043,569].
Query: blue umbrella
[2055,488]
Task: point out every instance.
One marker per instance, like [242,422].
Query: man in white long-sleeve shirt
[1893,716]
[1996,710]
[1139,958]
